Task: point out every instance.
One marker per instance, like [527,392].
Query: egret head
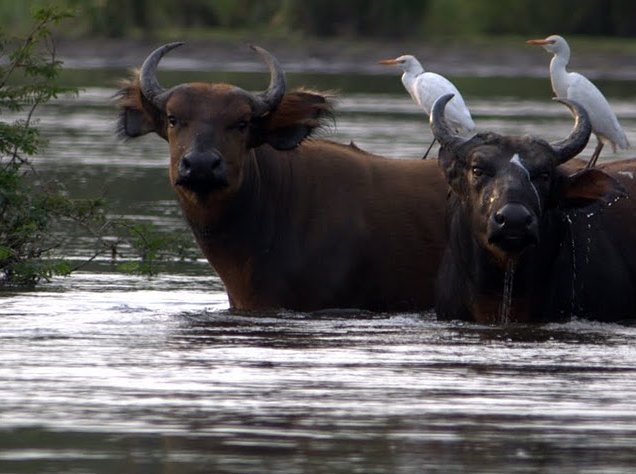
[405,62]
[554,44]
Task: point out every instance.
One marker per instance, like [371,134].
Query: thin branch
[30,39]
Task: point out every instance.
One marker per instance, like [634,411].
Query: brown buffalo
[531,239]
[287,220]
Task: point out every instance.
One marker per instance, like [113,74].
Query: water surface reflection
[109,373]
[102,373]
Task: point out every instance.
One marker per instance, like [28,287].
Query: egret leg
[429,148]
[597,152]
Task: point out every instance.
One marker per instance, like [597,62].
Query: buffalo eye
[240,126]
[172,121]
[477,171]
[543,177]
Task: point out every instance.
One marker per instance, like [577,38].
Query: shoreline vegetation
[509,56]
[451,37]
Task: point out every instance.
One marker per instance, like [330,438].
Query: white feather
[575,86]
[426,87]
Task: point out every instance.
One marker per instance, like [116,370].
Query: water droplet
[506,303]
[573,245]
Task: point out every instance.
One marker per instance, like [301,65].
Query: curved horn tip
[567,102]
[444,134]
[266,55]
[577,110]
[153,58]
[174,44]
[580,134]
[570,104]
[150,87]
[163,49]
[440,102]
[270,98]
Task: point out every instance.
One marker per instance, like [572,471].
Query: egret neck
[412,69]
[558,73]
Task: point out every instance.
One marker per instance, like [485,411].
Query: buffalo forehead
[530,154]
[531,150]
[206,101]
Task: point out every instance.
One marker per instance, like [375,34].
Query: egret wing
[604,120]
[431,86]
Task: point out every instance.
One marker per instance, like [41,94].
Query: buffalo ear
[454,160]
[588,187]
[137,116]
[453,168]
[133,123]
[287,138]
[299,114]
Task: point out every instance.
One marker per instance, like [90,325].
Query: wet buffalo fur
[584,264]
[289,220]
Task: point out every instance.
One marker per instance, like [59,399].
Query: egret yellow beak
[540,42]
[389,61]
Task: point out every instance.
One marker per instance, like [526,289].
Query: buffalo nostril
[513,227]
[201,171]
[513,215]
[185,166]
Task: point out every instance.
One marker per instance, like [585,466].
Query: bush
[36,216]
[26,81]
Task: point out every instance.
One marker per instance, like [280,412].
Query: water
[108,373]
[506,300]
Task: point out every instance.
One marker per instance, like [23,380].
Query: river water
[104,372]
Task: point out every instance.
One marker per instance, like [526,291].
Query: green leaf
[5,252]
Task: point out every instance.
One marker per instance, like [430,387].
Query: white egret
[572,85]
[426,87]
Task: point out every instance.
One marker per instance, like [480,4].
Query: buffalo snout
[202,172]
[513,228]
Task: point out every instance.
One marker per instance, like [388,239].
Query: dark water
[108,373]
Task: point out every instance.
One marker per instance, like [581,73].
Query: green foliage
[26,82]
[151,246]
[25,213]
[379,18]
[37,218]
[367,18]
[531,17]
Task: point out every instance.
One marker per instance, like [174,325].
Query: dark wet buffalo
[286,220]
[563,238]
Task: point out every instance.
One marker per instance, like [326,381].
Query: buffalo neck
[249,209]
[241,227]
[471,280]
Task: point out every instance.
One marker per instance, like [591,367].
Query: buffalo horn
[579,136]
[446,137]
[150,87]
[269,99]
